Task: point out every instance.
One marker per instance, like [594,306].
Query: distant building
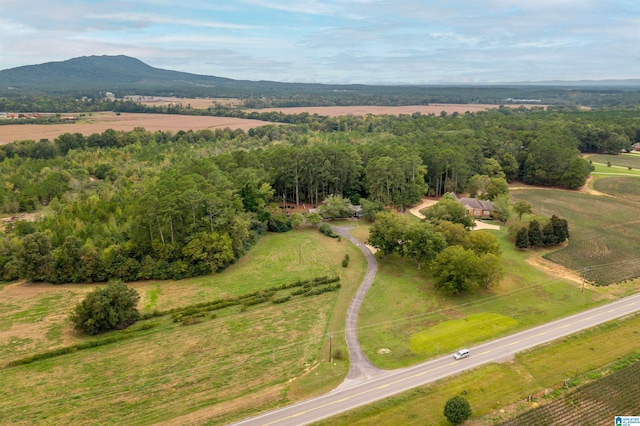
[477,208]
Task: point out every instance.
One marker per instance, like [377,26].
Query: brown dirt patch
[99,122]
[554,269]
[389,110]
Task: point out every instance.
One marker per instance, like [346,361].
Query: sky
[337,41]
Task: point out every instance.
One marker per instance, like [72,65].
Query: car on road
[462,353]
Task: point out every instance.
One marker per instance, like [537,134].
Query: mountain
[99,72]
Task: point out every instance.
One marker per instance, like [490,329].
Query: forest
[143,205]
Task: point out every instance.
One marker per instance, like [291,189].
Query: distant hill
[124,75]
[99,72]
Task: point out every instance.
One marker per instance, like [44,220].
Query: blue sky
[337,41]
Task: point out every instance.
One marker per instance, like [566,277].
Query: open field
[604,237]
[245,360]
[499,391]
[99,122]
[196,103]
[621,160]
[336,111]
[402,312]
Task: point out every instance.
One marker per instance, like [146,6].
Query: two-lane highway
[393,382]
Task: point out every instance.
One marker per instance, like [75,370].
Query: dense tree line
[139,205]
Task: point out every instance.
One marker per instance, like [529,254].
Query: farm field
[336,111]
[604,234]
[99,122]
[245,360]
[497,392]
[600,401]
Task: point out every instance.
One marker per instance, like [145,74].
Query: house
[636,146]
[477,208]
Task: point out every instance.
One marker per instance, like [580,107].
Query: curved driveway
[360,368]
[393,382]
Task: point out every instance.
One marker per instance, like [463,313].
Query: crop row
[598,402]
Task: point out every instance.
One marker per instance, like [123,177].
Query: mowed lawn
[243,361]
[404,320]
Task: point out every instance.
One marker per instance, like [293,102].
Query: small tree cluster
[554,232]
[107,308]
[460,260]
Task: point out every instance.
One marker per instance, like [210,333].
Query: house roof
[474,203]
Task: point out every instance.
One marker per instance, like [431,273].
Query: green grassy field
[238,363]
[499,391]
[623,160]
[402,311]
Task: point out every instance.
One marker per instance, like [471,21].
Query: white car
[462,353]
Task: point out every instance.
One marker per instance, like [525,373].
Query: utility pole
[584,278]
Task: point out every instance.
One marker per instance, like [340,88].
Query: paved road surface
[391,382]
[360,368]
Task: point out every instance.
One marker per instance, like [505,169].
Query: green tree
[478,184]
[210,251]
[422,243]
[457,410]
[455,270]
[490,270]
[549,237]
[503,208]
[454,233]
[107,308]
[522,239]
[536,237]
[497,186]
[522,207]
[370,209]
[510,166]
[449,209]
[335,206]
[313,218]
[35,257]
[482,242]
[560,228]
[296,220]
[67,261]
[386,233]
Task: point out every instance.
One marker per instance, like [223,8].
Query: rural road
[388,383]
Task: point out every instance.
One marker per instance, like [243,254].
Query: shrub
[325,228]
[457,410]
[108,308]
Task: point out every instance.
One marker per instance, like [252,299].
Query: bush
[108,308]
[325,228]
[457,410]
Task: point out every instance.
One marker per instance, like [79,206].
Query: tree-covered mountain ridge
[126,75]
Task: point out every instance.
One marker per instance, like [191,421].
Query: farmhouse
[477,208]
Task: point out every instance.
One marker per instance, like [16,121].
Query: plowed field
[98,123]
